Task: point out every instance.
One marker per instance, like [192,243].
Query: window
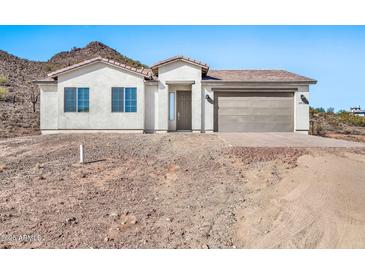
[117,100]
[171,106]
[83,100]
[70,99]
[130,100]
[124,99]
[76,98]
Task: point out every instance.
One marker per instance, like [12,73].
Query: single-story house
[176,94]
[357,111]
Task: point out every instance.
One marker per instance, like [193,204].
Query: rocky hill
[93,49]
[19,104]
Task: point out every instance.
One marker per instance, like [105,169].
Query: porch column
[196,106]
[162,107]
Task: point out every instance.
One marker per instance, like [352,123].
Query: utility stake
[81,154]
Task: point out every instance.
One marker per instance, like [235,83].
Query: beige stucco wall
[48,106]
[179,71]
[208,109]
[100,78]
[151,101]
[301,110]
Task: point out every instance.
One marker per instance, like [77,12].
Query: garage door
[254,111]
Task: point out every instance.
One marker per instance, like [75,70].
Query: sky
[333,55]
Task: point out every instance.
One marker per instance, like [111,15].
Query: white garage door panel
[255,112]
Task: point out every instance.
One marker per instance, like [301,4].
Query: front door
[183,110]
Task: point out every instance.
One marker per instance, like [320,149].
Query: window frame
[125,100]
[76,100]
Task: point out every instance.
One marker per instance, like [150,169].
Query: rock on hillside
[93,49]
[16,109]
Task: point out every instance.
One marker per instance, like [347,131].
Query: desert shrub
[3,79]
[317,129]
[312,111]
[320,110]
[330,110]
[3,93]
[49,67]
[351,120]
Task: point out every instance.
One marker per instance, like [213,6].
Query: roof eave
[38,82]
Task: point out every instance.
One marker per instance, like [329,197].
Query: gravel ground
[136,191]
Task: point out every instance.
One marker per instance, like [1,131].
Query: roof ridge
[178,57]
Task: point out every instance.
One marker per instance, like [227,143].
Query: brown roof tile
[256,76]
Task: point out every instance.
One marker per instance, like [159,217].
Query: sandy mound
[319,204]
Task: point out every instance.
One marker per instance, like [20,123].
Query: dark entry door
[183,110]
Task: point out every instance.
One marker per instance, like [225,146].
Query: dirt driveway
[177,191]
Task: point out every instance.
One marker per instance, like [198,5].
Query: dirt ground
[177,191]
[347,137]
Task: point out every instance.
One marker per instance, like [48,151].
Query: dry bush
[48,67]
[351,120]
[3,80]
[3,93]
[342,121]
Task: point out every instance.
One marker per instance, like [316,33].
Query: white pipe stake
[81,154]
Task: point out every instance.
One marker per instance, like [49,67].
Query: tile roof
[204,66]
[256,76]
[208,75]
[142,71]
